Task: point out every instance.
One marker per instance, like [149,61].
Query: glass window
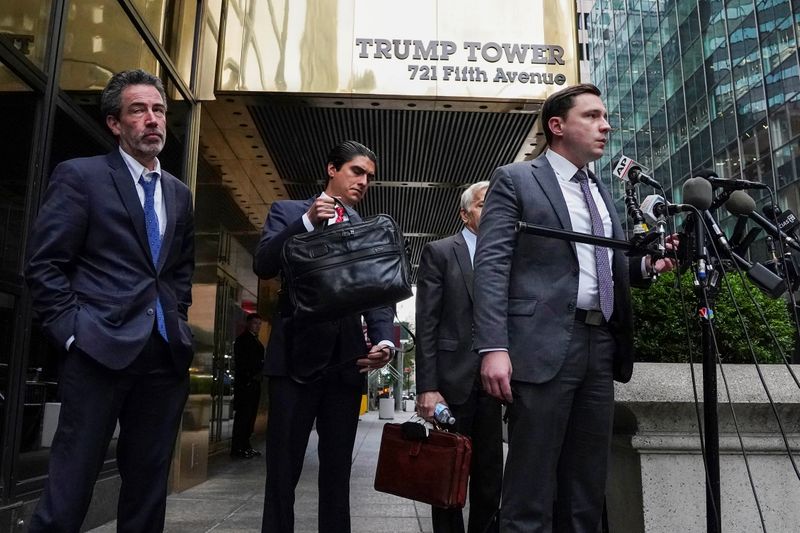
[99,41]
[787,159]
[25,23]
[8,310]
[700,149]
[779,127]
[793,108]
[680,164]
[751,108]
[18,106]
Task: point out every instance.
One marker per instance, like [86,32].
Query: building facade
[258,92]
[701,84]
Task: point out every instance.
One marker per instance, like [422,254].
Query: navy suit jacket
[526,286]
[89,266]
[445,359]
[300,348]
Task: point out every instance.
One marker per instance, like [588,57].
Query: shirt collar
[470,237]
[137,169]
[562,166]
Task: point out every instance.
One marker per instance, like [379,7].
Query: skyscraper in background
[701,84]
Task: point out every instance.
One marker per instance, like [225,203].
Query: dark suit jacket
[526,286]
[445,359]
[301,348]
[248,357]
[89,266]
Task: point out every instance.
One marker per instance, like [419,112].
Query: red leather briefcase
[432,469]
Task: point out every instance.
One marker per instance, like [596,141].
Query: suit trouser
[480,417]
[147,398]
[245,398]
[293,408]
[560,434]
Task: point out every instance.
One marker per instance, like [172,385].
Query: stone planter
[657,481]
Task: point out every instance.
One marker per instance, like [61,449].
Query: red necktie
[339,213]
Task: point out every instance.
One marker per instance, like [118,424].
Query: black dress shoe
[242,454]
[253,452]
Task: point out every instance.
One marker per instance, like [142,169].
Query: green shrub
[661,322]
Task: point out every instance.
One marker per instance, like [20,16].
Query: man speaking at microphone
[553,320]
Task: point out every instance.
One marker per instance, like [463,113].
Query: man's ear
[556,125]
[331,170]
[113,124]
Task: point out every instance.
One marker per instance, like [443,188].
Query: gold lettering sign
[421,48]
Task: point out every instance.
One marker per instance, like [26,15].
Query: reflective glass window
[25,23]
[99,41]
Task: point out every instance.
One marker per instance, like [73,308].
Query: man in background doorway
[248,360]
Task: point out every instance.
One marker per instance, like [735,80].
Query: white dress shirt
[472,242]
[588,295]
[137,170]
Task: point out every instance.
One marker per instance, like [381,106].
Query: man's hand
[378,356]
[667,263]
[426,402]
[321,210]
[496,375]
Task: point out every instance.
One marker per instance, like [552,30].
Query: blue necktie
[605,283]
[153,236]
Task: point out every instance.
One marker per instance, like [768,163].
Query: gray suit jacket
[445,359]
[526,286]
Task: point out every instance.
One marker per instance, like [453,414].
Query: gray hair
[111,99]
[469,195]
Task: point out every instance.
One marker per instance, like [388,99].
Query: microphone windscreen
[705,173]
[740,203]
[697,192]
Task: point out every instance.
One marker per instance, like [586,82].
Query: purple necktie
[605,283]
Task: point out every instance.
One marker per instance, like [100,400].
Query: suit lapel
[461,250]
[127,192]
[543,173]
[168,197]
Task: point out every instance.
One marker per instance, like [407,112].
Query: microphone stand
[640,246]
[706,288]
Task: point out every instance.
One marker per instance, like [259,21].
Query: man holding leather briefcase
[313,367]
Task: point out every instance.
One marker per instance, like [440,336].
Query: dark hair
[111,99]
[558,105]
[346,151]
[252,316]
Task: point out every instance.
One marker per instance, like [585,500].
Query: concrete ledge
[657,478]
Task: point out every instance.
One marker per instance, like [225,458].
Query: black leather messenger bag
[344,269]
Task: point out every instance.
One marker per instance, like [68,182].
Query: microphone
[697,192]
[654,207]
[729,185]
[787,221]
[629,170]
[742,204]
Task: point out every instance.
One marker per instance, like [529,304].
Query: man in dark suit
[448,369]
[110,263]
[553,320]
[248,360]
[336,350]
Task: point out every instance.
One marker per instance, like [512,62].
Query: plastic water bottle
[443,415]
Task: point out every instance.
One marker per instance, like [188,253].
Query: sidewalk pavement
[232,498]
